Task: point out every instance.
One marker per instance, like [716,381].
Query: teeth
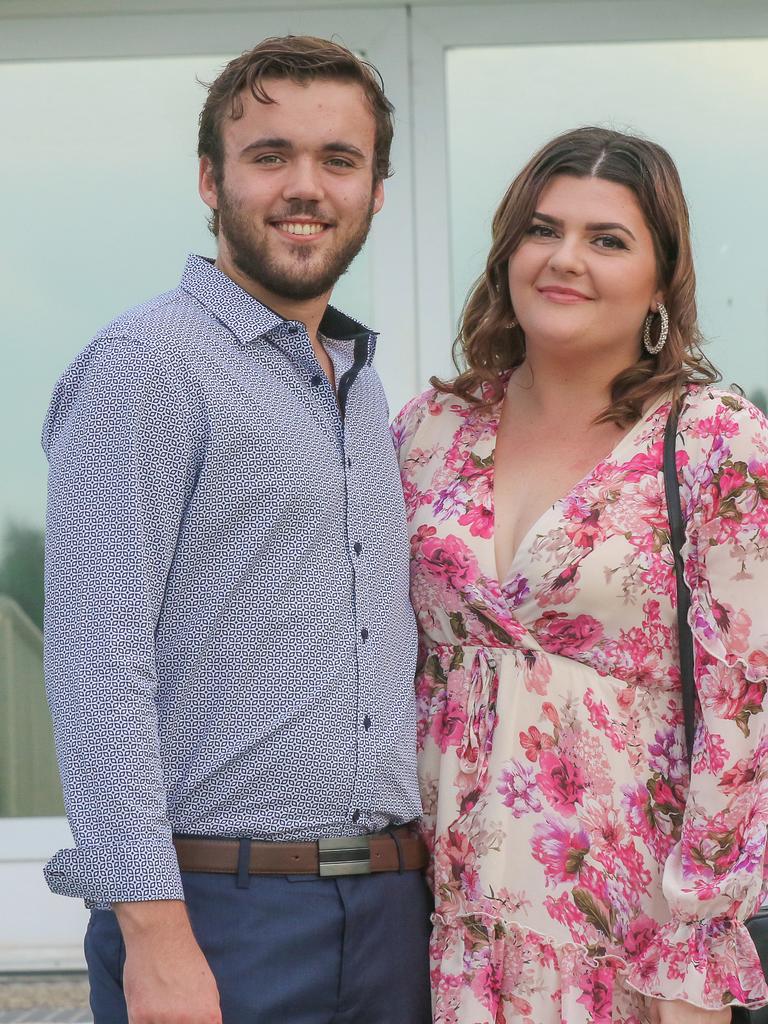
[300,229]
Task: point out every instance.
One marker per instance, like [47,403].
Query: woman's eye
[540,231]
[610,242]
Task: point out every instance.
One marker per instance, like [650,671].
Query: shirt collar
[248,319]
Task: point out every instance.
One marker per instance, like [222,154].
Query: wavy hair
[486,346]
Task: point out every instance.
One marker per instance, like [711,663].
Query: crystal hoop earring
[650,348]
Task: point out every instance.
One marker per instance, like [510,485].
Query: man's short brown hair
[302,59]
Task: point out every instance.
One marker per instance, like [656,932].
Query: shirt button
[364,633]
[366,723]
[316,381]
[349,463]
[293,329]
[355,815]
[358,547]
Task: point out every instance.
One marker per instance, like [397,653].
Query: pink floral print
[578,867]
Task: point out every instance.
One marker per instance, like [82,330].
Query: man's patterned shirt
[229,644]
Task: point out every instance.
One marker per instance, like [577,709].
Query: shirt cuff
[106,874]
[710,964]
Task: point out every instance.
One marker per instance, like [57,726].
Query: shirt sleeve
[124,438]
[713,879]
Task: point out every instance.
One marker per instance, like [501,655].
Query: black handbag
[757,925]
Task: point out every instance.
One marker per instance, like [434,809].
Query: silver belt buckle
[348,856]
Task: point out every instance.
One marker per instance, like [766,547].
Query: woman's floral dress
[577,867]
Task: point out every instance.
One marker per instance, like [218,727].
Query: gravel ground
[50,997]
[45,1016]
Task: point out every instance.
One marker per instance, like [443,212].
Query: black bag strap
[677,539]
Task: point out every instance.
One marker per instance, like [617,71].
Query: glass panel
[703,101]
[100,179]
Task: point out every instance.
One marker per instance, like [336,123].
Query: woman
[580,875]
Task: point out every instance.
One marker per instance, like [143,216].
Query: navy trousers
[294,949]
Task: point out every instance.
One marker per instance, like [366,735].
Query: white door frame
[39,930]
[436,29]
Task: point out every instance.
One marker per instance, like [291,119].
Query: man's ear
[206,183]
[378,196]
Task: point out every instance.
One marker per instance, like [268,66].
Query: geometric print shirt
[229,644]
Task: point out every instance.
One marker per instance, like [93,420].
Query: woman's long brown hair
[486,345]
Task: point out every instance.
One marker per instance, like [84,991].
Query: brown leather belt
[397,850]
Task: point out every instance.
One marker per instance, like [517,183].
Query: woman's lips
[564,295]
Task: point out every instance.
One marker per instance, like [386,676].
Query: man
[230,649]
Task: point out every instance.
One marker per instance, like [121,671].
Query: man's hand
[166,979]
[675,1011]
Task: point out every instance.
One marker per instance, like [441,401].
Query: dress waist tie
[477,739]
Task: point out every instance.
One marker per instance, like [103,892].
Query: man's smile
[301,229]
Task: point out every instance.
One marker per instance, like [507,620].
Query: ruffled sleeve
[713,878]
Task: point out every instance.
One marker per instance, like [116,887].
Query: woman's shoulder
[704,401]
[431,407]
[724,457]
[720,419]
[430,402]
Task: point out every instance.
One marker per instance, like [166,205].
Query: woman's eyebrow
[547,219]
[609,226]
[601,226]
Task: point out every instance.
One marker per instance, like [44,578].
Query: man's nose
[303,181]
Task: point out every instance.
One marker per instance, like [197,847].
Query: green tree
[21,568]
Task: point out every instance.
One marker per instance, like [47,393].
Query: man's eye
[337,161]
[269,158]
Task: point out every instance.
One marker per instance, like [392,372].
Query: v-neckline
[558,502]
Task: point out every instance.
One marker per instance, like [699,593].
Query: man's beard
[250,254]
